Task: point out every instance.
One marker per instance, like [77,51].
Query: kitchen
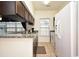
[16,27]
[37,29]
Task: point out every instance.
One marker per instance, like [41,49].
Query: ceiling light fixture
[46,2]
[0,18]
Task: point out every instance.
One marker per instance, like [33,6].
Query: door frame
[39,29]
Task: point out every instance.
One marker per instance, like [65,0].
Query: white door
[44,30]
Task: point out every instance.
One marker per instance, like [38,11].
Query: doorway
[44,30]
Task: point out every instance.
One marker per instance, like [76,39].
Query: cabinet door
[33,20]
[26,15]
[7,7]
[58,46]
[20,9]
[29,18]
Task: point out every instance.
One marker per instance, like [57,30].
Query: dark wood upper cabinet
[11,8]
[12,11]
[29,18]
[15,11]
[26,15]
[7,7]
[20,9]
[33,21]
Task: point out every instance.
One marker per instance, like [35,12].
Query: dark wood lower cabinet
[35,45]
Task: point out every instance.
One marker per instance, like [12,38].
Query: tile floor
[49,50]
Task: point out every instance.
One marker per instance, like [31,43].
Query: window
[11,28]
[44,27]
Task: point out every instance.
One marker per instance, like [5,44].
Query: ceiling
[52,5]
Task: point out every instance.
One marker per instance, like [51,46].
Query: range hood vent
[24,25]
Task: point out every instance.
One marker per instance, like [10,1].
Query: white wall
[44,14]
[66,31]
[28,4]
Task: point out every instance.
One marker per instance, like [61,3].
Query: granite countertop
[32,35]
